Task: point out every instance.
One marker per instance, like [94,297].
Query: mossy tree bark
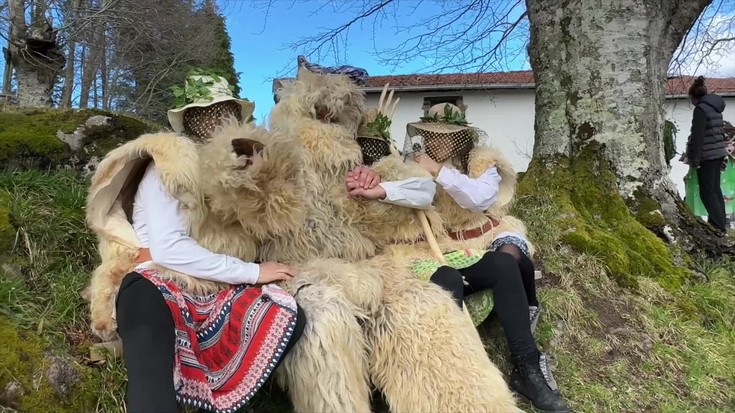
[600,71]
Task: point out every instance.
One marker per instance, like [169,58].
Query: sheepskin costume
[462,251]
[109,210]
[368,318]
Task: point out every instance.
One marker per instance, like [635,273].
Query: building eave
[438,88]
[681,96]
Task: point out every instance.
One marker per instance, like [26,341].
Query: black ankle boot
[532,380]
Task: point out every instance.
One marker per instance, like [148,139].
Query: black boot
[532,380]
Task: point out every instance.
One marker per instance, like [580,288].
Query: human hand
[354,189]
[427,163]
[273,271]
[364,177]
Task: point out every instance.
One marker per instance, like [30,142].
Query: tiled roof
[680,85]
[498,78]
[522,79]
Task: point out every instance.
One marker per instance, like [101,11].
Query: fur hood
[114,183]
[312,96]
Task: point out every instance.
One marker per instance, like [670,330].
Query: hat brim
[176,116]
[415,128]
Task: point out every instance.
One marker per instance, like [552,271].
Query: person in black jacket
[706,149]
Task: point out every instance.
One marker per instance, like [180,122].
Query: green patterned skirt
[479,304]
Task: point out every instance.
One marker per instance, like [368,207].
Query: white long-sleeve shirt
[474,194]
[417,193]
[162,227]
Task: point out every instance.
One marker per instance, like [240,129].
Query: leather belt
[475,232]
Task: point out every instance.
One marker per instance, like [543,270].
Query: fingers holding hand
[273,271]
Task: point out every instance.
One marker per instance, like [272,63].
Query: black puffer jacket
[707,141]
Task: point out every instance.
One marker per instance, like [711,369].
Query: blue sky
[260,42]
[262,39]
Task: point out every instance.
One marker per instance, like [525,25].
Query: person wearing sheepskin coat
[476,185]
[370,322]
[198,327]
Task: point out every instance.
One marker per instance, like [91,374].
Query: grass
[52,255]
[618,351]
[612,350]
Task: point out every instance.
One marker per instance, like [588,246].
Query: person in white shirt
[443,144]
[208,351]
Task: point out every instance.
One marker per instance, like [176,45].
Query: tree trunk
[7,78]
[69,73]
[84,86]
[600,70]
[34,54]
[70,18]
[104,77]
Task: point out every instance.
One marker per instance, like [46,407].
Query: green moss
[595,220]
[22,356]
[648,211]
[29,138]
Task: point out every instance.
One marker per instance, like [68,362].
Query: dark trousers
[710,192]
[499,272]
[146,328]
[528,271]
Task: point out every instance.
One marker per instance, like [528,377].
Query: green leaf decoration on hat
[196,89]
[378,128]
[449,116]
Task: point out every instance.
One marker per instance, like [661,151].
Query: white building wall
[508,117]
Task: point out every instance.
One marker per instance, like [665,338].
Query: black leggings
[499,272]
[146,328]
[528,271]
[708,177]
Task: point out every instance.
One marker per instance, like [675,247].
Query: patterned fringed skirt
[228,343]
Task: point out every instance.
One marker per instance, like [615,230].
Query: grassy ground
[613,351]
[51,256]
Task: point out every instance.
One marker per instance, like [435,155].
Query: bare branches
[476,35]
[709,42]
[488,35]
[479,36]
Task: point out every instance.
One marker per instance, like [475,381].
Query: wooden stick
[429,234]
[436,250]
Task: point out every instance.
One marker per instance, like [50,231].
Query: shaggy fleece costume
[109,205]
[368,318]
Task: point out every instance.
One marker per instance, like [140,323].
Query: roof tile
[674,86]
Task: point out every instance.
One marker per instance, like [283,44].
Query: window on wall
[435,100]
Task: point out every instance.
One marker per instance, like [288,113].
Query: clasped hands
[364,182]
